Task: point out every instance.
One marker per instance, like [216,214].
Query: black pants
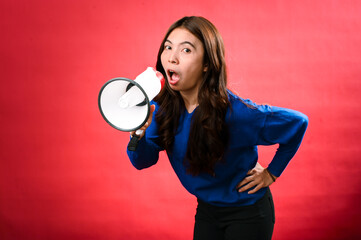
[254,222]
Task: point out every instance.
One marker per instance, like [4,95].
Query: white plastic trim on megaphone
[150,82]
[125,104]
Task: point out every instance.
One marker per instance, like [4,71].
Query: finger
[245,181]
[247,187]
[255,181]
[152,109]
[258,187]
[251,172]
[145,126]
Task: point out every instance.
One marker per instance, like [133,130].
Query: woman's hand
[258,177]
[146,125]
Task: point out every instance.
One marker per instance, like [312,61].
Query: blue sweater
[248,127]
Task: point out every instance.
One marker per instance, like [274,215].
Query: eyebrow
[182,43]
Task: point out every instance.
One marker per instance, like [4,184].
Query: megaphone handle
[132,146]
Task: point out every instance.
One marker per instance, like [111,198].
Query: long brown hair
[208,134]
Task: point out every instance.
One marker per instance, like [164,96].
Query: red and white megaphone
[125,104]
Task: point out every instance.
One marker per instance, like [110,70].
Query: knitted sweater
[248,127]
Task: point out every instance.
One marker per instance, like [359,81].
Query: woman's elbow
[142,165]
[303,121]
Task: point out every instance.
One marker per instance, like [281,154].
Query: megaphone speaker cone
[120,108]
[124,103]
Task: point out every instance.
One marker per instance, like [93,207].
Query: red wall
[64,172]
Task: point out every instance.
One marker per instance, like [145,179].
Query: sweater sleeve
[284,127]
[147,152]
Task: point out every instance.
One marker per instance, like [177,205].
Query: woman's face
[182,60]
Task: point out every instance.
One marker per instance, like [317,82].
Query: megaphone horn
[125,104]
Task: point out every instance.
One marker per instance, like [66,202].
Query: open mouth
[170,73]
[173,77]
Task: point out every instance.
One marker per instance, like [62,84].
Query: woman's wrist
[271,175]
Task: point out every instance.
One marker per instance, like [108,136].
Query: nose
[173,58]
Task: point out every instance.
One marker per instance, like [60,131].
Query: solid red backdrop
[64,172]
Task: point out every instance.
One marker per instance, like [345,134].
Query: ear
[205,68]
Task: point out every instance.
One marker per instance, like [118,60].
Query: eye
[186,50]
[167,47]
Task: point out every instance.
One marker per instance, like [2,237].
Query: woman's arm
[284,127]
[147,152]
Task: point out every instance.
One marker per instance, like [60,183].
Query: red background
[64,172]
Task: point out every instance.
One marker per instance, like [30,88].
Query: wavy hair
[208,134]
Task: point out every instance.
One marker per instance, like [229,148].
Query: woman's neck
[190,100]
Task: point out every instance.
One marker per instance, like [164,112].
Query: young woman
[211,136]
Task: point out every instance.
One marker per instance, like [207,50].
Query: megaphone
[125,104]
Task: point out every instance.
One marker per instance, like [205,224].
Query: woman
[211,136]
